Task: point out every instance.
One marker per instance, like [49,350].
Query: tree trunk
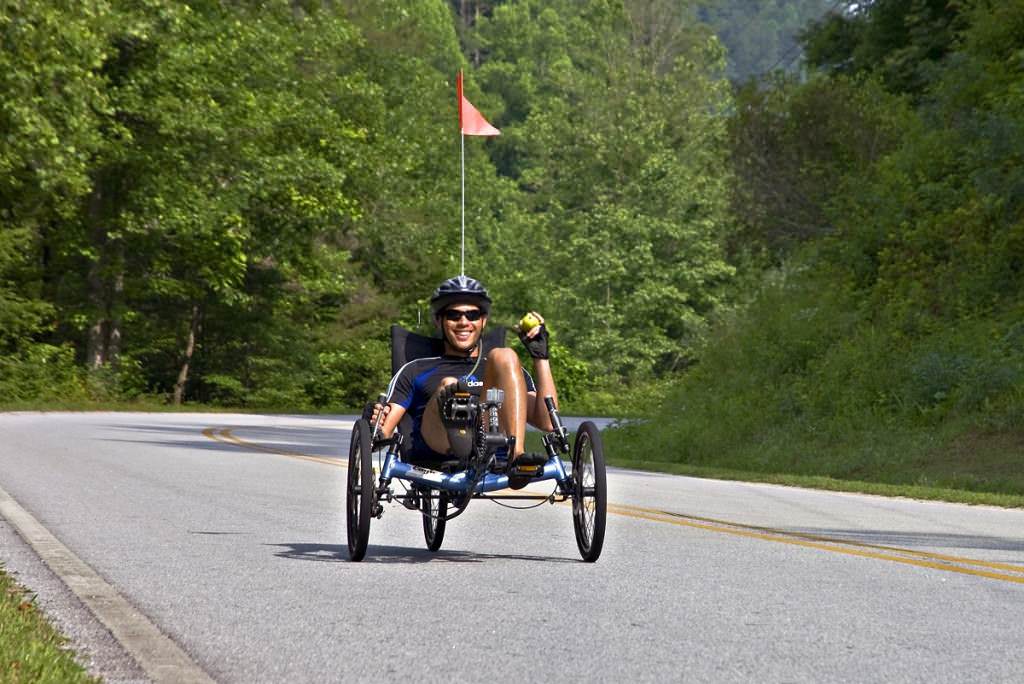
[113,308]
[190,346]
[104,342]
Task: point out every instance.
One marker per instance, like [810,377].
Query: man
[460,307]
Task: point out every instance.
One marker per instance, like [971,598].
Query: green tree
[53,112]
[223,184]
[903,41]
[762,37]
[934,231]
[793,145]
[617,141]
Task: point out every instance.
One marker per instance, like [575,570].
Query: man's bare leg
[504,372]
[435,434]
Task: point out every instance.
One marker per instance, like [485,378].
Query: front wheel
[590,491]
[359,494]
[435,510]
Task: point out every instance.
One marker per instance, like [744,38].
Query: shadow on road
[334,553]
[300,440]
[917,540]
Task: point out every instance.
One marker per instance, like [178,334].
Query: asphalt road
[224,532]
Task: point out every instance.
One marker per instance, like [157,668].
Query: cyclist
[460,307]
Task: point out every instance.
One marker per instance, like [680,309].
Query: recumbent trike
[445,489]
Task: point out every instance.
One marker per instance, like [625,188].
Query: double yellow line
[937,561]
[1005,572]
[225,435]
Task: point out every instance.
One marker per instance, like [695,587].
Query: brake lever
[381,399]
[561,433]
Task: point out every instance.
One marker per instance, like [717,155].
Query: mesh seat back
[407,346]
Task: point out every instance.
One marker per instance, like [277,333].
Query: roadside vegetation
[883,336]
[789,235]
[30,649]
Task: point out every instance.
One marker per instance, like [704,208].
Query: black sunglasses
[455,314]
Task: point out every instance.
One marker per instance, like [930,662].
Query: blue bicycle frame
[461,482]
[394,467]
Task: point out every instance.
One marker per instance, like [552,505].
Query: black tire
[435,509]
[359,498]
[590,491]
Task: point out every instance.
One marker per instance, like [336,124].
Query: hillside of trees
[230,202]
[781,228]
[880,217]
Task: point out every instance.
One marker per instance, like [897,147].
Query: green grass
[30,649]
[831,484]
[994,461]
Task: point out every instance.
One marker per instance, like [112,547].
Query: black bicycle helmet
[460,289]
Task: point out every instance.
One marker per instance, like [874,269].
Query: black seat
[408,346]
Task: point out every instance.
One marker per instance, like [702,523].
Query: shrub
[42,372]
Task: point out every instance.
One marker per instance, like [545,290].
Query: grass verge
[30,649]
[954,462]
[922,492]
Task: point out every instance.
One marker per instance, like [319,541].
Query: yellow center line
[830,546]
[227,437]
[829,540]
[924,559]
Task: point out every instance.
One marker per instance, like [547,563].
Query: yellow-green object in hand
[528,323]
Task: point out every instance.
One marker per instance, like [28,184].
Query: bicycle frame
[461,481]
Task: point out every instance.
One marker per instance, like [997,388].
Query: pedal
[527,466]
[461,408]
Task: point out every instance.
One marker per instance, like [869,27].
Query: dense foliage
[884,198]
[230,202]
[763,36]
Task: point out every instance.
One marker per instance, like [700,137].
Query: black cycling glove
[538,344]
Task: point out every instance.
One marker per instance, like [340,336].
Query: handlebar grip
[382,400]
[556,420]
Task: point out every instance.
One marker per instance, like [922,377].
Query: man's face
[462,325]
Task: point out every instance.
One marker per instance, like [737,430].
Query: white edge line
[159,657]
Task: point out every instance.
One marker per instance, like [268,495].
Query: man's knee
[504,358]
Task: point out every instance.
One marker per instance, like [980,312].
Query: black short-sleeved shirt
[417,381]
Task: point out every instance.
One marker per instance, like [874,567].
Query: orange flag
[471,121]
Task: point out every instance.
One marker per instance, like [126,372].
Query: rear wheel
[435,509]
[590,493]
[359,494]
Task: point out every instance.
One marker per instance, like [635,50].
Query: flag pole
[462,147]
[472,123]
[462,144]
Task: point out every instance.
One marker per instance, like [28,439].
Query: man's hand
[536,338]
[380,412]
